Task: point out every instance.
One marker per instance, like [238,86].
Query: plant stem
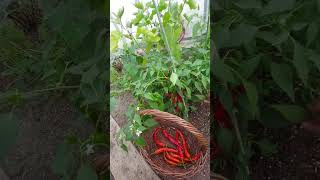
[52,89]
[238,135]
[163,31]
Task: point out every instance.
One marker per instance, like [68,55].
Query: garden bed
[298,156]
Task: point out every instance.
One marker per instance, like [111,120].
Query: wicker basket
[195,139]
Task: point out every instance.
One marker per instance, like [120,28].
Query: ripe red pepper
[221,115]
[174,100]
[169,161]
[173,141]
[155,138]
[176,109]
[172,158]
[184,144]
[161,150]
[196,156]
[169,137]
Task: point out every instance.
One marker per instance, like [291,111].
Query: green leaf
[222,71]
[242,34]
[86,172]
[249,4]
[140,141]
[225,140]
[188,92]
[162,5]
[8,133]
[63,159]
[173,32]
[300,62]
[316,59]
[283,76]
[292,113]
[252,94]
[115,36]
[312,32]
[137,119]
[276,6]
[221,36]
[166,18]
[197,85]
[174,78]
[139,5]
[272,38]
[226,100]
[196,29]
[192,4]
[266,147]
[247,68]
[90,75]
[120,12]
[150,123]
[271,118]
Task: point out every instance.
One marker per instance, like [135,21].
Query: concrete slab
[129,165]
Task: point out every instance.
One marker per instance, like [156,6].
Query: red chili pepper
[184,144]
[173,141]
[169,137]
[180,153]
[179,98]
[170,162]
[171,158]
[221,115]
[161,150]
[177,156]
[155,138]
[174,100]
[177,109]
[196,156]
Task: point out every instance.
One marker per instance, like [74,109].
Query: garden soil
[199,118]
[298,156]
[41,128]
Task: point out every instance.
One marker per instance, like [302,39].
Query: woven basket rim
[167,119]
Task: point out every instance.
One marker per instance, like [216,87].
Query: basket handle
[165,117]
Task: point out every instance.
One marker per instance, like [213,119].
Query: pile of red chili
[176,153]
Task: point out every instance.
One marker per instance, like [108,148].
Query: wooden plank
[129,165]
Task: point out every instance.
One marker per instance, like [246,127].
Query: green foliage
[69,61]
[167,77]
[8,132]
[269,48]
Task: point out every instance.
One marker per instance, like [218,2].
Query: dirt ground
[298,156]
[200,119]
[41,129]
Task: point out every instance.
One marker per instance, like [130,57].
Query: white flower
[89,149]
[138,132]
[131,127]
[138,108]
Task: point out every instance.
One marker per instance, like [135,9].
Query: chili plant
[266,49]
[157,69]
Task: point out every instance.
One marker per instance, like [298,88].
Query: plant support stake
[163,31]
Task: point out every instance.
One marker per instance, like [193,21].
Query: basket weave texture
[194,138]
